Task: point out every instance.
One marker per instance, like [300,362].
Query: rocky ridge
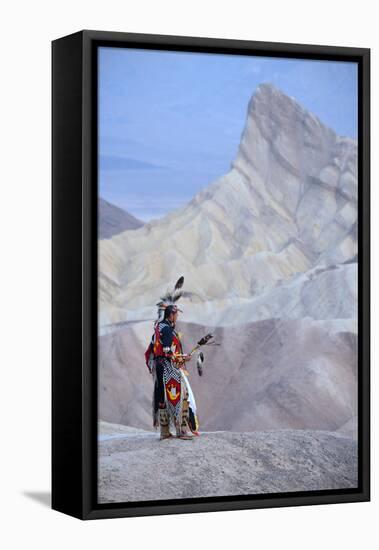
[223,464]
[286,207]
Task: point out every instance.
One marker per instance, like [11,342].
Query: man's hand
[181,359]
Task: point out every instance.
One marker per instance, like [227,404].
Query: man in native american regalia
[173,400]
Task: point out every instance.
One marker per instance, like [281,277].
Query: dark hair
[169,310]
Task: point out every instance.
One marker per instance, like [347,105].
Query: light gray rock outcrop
[137,466]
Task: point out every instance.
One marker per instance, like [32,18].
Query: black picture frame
[74,273]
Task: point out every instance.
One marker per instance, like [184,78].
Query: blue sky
[170,122]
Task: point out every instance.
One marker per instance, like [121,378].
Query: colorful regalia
[173,400]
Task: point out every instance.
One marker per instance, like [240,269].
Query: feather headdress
[170,299]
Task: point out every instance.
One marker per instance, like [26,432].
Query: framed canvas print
[210,274]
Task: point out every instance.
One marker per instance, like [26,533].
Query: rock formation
[135,465]
[288,204]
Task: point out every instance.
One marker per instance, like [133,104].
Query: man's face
[174,317]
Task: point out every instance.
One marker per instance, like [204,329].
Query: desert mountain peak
[287,206]
[272,103]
